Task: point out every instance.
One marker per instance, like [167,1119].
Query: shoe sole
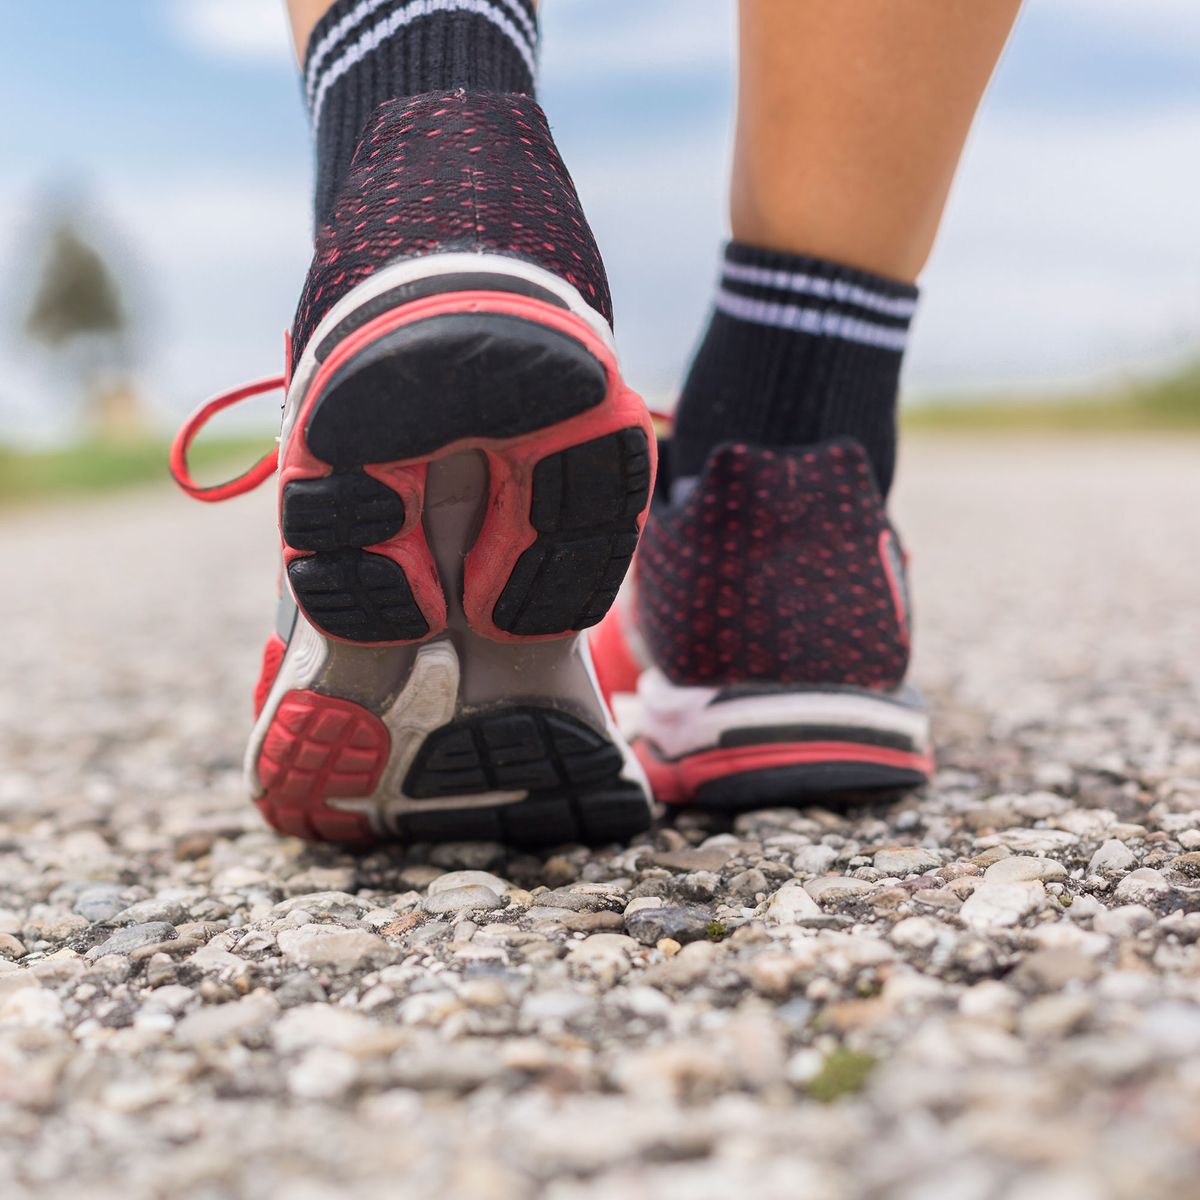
[464,479]
[747,747]
[570,457]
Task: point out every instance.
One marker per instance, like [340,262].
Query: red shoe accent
[678,782]
[617,671]
[259,473]
[272,658]
[319,747]
[506,532]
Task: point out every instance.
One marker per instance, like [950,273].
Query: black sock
[798,350]
[364,52]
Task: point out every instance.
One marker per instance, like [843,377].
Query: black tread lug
[357,596]
[572,772]
[585,505]
[346,509]
[445,378]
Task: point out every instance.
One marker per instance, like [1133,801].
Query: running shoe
[766,636]
[463,476]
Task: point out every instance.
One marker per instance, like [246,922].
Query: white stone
[995,905]
[333,947]
[1112,857]
[606,955]
[919,933]
[463,879]
[1125,921]
[907,861]
[322,1074]
[813,860]
[837,887]
[310,1025]
[461,899]
[220,1023]
[32,1007]
[1143,884]
[790,905]
[1023,868]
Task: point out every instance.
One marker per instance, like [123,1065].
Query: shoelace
[266,466]
[248,480]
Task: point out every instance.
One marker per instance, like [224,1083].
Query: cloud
[622,37]
[252,31]
[1146,24]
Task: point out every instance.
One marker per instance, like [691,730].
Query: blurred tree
[78,315]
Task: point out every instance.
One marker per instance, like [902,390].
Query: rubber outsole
[828,783]
[323,757]
[585,505]
[570,459]
[743,775]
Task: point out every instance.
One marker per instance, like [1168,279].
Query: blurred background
[154,215]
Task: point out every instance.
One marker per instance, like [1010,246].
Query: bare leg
[851,120]
[304,15]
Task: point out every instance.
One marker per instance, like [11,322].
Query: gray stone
[1111,858]
[651,925]
[1139,886]
[333,947]
[133,937]
[914,860]
[462,899]
[998,905]
[837,889]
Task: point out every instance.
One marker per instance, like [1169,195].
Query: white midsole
[685,720]
[428,700]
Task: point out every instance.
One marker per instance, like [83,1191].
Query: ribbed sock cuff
[798,350]
[365,52]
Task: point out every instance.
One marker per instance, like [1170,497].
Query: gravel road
[990,991]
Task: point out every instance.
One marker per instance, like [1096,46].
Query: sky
[1070,255]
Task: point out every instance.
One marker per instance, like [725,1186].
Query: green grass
[1167,405]
[98,466]
[843,1073]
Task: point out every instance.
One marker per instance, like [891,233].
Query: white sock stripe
[360,12]
[901,307]
[373,38]
[815,321]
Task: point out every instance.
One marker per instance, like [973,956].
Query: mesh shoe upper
[779,567]
[465,171]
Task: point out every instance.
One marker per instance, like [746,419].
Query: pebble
[1187,864]
[453,880]
[227,1022]
[333,948]
[711,858]
[11,947]
[1024,868]
[836,889]
[1112,858]
[998,905]
[683,925]
[1141,885]
[99,902]
[133,937]
[462,899]
[790,904]
[908,861]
